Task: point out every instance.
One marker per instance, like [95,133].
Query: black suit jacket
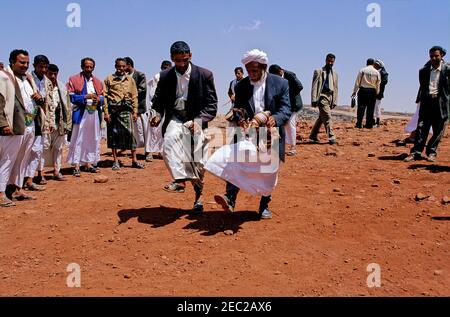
[295,87]
[141,84]
[444,89]
[202,97]
[276,101]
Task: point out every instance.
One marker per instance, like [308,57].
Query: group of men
[39,115]
[37,112]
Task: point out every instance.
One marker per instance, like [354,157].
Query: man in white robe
[29,118]
[153,135]
[86,96]
[186,98]
[246,164]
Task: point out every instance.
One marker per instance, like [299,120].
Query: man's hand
[243,124]
[195,128]
[135,116]
[89,96]
[95,99]
[7,131]
[155,121]
[232,98]
[271,123]
[107,118]
[37,98]
[51,129]
[353,95]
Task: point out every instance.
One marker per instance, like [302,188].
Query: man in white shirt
[367,86]
[186,98]
[153,135]
[434,98]
[35,163]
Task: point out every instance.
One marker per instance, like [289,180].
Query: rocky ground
[337,210]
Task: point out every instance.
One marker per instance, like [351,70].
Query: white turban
[255,55]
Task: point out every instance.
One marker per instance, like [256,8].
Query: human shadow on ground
[432,168]
[208,223]
[399,157]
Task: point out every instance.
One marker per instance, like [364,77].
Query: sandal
[137,165]
[93,170]
[76,173]
[291,153]
[174,188]
[5,203]
[116,166]
[34,187]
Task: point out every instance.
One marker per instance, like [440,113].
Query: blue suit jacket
[276,101]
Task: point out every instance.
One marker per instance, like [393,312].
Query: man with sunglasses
[186,98]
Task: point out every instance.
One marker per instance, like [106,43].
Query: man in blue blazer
[257,93]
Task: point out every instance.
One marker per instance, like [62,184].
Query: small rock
[127,276]
[228,232]
[371,154]
[200,241]
[356,143]
[101,179]
[445,200]
[397,181]
[421,196]
[336,190]
[277,272]
[375,185]
[437,272]
[111,239]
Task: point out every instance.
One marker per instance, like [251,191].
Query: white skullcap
[255,55]
[379,62]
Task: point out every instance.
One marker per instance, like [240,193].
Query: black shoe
[358,126]
[198,208]
[265,214]
[225,202]
[332,142]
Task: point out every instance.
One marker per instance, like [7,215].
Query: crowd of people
[169,114]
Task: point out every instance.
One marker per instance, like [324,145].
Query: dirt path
[336,211]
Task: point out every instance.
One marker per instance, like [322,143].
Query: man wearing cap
[434,92]
[379,65]
[258,93]
[186,98]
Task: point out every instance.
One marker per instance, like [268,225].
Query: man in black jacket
[434,94]
[379,65]
[186,98]
[141,83]
[295,87]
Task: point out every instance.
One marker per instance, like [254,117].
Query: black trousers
[232,192]
[367,98]
[429,116]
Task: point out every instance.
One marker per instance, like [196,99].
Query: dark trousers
[367,98]
[429,116]
[232,192]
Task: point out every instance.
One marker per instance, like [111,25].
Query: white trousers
[85,141]
[23,156]
[185,162]
[377,111]
[35,160]
[53,149]
[153,137]
[9,149]
[291,129]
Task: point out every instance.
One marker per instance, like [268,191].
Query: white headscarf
[255,55]
[380,63]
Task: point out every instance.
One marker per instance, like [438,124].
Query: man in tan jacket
[324,95]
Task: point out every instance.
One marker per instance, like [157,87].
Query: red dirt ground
[336,210]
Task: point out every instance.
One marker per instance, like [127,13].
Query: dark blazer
[384,80]
[276,101]
[444,89]
[19,112]
[295,87]
[202,97]
[141,84]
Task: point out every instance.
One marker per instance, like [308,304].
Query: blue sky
[296,34]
